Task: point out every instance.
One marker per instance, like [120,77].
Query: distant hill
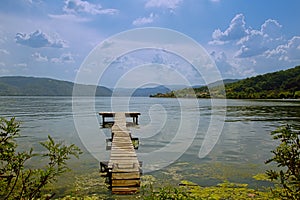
[140,92]
[276,85]
[32,86]
[225,81]
[146,92]
[199,91]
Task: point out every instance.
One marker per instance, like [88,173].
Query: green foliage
[278,85]
[283,84]
[19,182]
[287,157]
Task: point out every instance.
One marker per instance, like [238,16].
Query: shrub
[287,157]
[16,180]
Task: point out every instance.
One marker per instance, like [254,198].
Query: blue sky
[243,37]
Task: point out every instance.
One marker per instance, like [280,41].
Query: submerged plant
[187,190]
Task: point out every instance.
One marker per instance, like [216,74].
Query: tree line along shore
[283,84]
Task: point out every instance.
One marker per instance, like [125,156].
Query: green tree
[16,180]
[287,157]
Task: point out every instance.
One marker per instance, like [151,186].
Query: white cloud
[251,51]
[230,67]
[250,42]
[151,74]
[169,4]
[287,52]
[78,6]
[38,57]
[144,20]
[4,51]
[21,65]
[259,41]
[64,58]
[271,28]
[251,45]
[39,39]
[235,31]
[69,17]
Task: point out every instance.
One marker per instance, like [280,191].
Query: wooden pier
[105,115]
[123,169]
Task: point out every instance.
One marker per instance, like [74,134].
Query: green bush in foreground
[287,158]
[19,182]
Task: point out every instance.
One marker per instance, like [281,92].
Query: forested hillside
[31,86]
[281,84]
[277,85]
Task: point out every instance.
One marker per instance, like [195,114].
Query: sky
[52,39]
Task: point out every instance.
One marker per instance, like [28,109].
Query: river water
[171,132]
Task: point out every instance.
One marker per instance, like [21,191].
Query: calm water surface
[243,146]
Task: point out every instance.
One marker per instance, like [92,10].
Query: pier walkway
[123,168]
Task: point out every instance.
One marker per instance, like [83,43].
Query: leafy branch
[287,157]
[20,182]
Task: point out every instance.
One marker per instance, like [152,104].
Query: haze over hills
[32,86]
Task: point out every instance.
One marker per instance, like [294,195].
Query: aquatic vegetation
[261,177]
[228,190]
[90,184]
[167,185]
[190,190]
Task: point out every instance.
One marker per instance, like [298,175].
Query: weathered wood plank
[122,175]
[118,136]
[117,143]
[122,146]
[123,149]
[122,153]
[125,190]
[122,138]
[122,142]
[123,158]
[126,183]
[126,170]
[126,163]
[129,160]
